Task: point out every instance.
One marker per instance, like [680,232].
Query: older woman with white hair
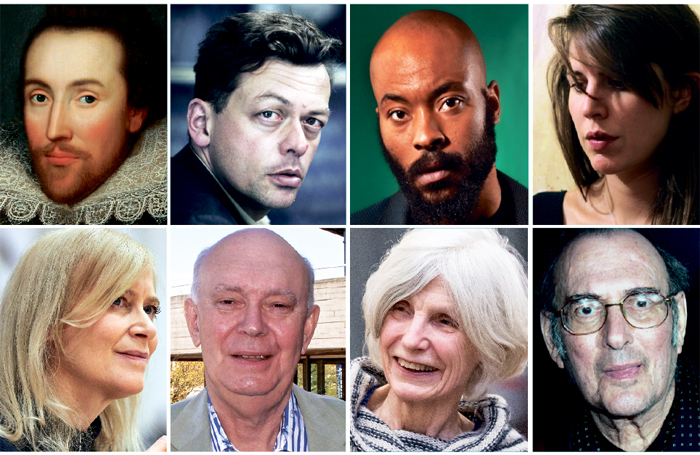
[446,317]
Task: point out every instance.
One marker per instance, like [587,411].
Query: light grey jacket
[324,418]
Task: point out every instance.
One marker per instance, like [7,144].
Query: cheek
[35,128]
[103,132]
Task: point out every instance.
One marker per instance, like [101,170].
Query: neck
[251,208]
[628,199]
[250,423]
[83,403]
[432,419]
[638,432]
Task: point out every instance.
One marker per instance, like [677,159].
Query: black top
[195,196]
[679,431]
[548,207]
[84,441]
[395,209]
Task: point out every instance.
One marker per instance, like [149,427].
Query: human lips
[414,367]
[251,356]
[599,140]
[60,158]
[291,178]
[622,372]
[135,355]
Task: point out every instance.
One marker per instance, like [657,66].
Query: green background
[502,31]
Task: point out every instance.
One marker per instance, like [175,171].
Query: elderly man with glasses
[613,315]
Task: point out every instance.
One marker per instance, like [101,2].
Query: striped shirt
[291,437]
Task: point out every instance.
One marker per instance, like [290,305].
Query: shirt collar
[292,435]
[264,221]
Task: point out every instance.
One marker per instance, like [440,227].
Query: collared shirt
[291,437]
[264,221]
[679,433]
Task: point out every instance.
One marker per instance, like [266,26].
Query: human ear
[683,95]
[493,98]
[310,327]
[192,322]
[682,320]
[136,119]
[545,325]
[199,115]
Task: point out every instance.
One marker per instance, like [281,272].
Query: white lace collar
[138,188]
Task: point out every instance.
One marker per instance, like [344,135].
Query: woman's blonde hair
[70,277]
[486,277]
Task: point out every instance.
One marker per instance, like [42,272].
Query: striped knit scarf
[370,434]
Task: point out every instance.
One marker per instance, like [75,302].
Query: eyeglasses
[642,311]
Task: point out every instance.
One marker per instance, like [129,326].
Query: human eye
[314,124]
[643,301]
[87,99]
[120,302]
[585,308]
[152,310]
[450,103]
[397,115]
[39,98]
[617,84]
[447,321]
[270,117]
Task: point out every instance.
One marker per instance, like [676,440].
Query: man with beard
[436,125]
[93,98]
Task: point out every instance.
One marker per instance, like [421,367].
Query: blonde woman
[76,334]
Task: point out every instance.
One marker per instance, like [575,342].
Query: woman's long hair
[70,277]
[628,42]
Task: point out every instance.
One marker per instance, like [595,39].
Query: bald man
[252,312]
[436,121]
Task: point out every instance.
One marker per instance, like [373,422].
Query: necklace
[607,202]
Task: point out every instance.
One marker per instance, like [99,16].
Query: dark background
[321,199]
[15,23]
[554,396]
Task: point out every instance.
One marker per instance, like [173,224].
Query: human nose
[415,337]
[617,332]
[295,140]
[144,327]
[427,134]
[594,102]
[59,127]
[252,322]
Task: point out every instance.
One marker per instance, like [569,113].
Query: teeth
[253,357]
[414,366]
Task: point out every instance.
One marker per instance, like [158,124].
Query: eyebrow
[440,90]
[286,102]
[627,293]
[152,300]
[77,83]
[271,292]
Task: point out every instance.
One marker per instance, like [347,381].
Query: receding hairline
[561,280]
[205,255]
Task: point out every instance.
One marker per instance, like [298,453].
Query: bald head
[422,40]
[253,248]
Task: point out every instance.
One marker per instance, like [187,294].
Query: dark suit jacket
[195,196]
[394,209]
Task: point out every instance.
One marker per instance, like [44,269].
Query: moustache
[620,358]
[435,160]
[65,148]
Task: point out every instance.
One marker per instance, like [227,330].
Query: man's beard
[466,180]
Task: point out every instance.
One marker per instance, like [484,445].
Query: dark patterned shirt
[679,433]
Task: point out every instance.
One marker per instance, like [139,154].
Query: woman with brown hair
[624,91]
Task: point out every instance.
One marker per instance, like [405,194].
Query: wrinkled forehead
[609,264]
